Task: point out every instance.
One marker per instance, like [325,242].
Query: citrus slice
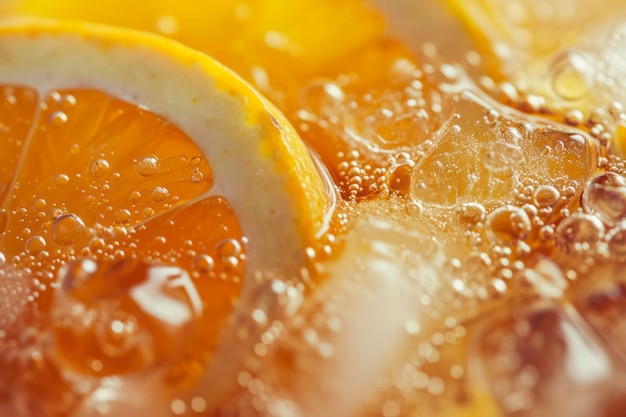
[142,184]
[563,50]
[275,44]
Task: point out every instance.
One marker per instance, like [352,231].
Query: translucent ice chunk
[383,303]
[543,360]
[601,300]
[491,158]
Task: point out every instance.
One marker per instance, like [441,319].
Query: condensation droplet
[228,248]
[159,194]
[61,180]
[39,204]
[58,118]
[147,166]
[99,167]
[122,216]
[35,244]
[203,263]
[134,196]
[66,229]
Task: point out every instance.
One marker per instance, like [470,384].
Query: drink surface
[473,262]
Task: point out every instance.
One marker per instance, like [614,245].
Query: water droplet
[134,196]
[66,229]
[228,247]
[122,216]
[605,196]
[203,263]
[159,194]
[56,212]
[58,118]
[61,180]
[39,204]
[147,166]
[96,244]
[99,167]
[35,244]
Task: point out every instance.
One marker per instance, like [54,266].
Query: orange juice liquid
[472,266]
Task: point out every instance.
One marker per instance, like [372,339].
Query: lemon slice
[142,185]
[259,164]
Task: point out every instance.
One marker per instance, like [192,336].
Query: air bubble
[470,214]
[414,208]
[580,232]
[570,73]
[203,263]
[507,224]
[58,118]
[35,244]
[134,196]
[546,196]
[66,229]
[616,239]
[605,196]
[147,166]
[61,180]
[512,136]
[196,175]
[159,194]
[99,167]
[122,216]
[228,247]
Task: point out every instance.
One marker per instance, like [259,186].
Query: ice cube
[601,300]
[390,301]
[493,156]
[542,359]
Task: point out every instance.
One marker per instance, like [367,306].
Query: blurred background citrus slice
[271,43]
